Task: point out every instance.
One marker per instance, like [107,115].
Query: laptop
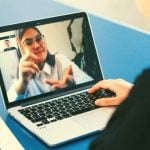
[57,114]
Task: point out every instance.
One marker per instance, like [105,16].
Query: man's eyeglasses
[29,41]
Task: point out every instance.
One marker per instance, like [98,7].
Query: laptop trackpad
[96,119]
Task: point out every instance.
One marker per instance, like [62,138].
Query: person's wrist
[70,81]
[21,86]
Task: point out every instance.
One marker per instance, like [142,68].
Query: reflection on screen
[46,58]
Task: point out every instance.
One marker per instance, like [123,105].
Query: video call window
[66,41]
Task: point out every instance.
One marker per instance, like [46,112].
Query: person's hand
[119,86]
[28,67]
[67,80]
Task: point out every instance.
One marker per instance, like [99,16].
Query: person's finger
[94,88]
[28,70]
[26,73]
[56,86]
[30,64]
[30,57]
[69,70]
[51,81]
[100,85]
[33,58]
[113,101]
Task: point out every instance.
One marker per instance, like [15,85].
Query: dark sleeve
[129,127]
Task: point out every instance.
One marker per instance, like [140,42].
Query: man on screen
[8,46]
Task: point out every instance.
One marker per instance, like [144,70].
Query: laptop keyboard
[52,111]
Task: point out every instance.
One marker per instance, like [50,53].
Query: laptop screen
[47,57]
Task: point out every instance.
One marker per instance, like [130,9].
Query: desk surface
[123,53]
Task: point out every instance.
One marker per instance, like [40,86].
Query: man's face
[7,43]
[33,42]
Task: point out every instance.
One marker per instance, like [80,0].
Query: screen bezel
[62,91]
